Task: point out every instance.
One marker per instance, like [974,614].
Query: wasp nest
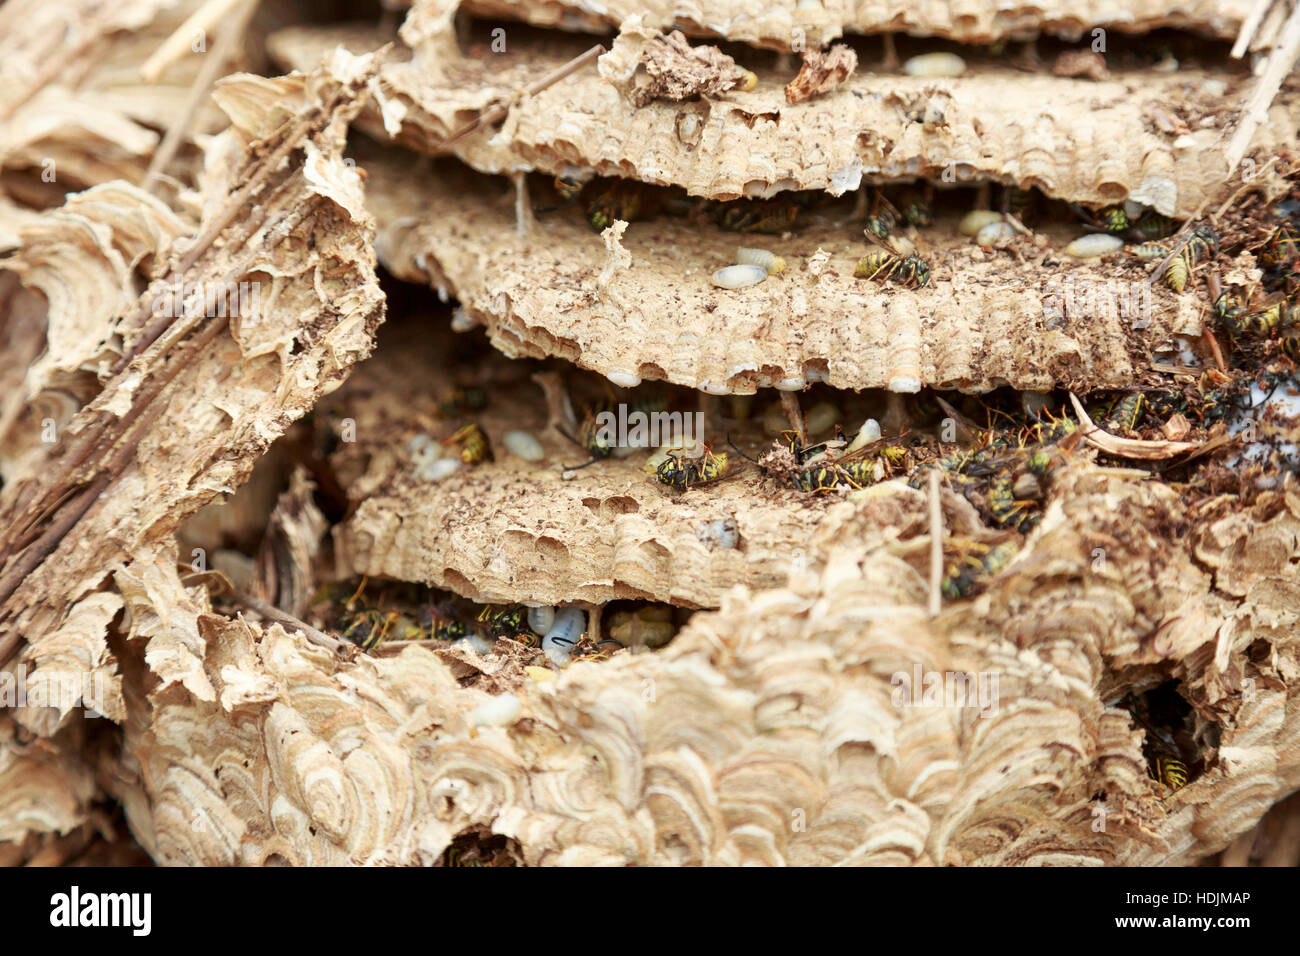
[804,23]
[1088,142]
[873,456]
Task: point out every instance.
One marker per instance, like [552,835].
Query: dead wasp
[973,563]
[1127,412]
[369,627]
[472,442]
[681,471]
[440,625]
[1203,244]
[1052,429]
[1018,202]
[819,467]
[1006,509]
[1282,247]
[1165,761]
[508,621]
[884,218]
[624,199]
[568,188]
[1150,227]
[594,436]
[1112,219]
[889,262]
[461,400]
[765,216]
[831,475]
[1277,321]
[916,212]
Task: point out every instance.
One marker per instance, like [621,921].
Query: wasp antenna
[580,467]
[738,451]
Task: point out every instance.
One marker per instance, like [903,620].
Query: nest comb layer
[772,731]
[1085,141]
[647,309]
[790,23]
[516,531]
[74,106]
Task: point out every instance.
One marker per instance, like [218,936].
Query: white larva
[1094,244]
[770,262]
[496,712]
[559,657]
[995,233]
[624,379]
[868,433]
[437,470]
[524,445]
[417,444]
[935,64]
[794,383]
[477,641]
[977,219]
[540,619]
[565,630]
[738,277]
[688,128]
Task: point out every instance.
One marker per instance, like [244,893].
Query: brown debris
[821,72]
[1087,63]
[676,71]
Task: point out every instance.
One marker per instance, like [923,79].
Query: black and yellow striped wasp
[1279,321]
[504,621]
[1203,244]
[882,222]
[972,564]
[596,438]
[472,442]
[1112,219]
[682,469]
[1282,247]
[1166,761]
[1147,227]
[625,199]
[764,216]
[825,467]
[910,270]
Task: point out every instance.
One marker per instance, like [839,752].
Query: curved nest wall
[284,586]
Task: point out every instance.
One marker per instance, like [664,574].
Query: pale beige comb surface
[1085,141]
[783,23]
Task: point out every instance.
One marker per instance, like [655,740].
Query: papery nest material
[786,24]
[821,72]
[1147,450]
[1093,145]
[667,67]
